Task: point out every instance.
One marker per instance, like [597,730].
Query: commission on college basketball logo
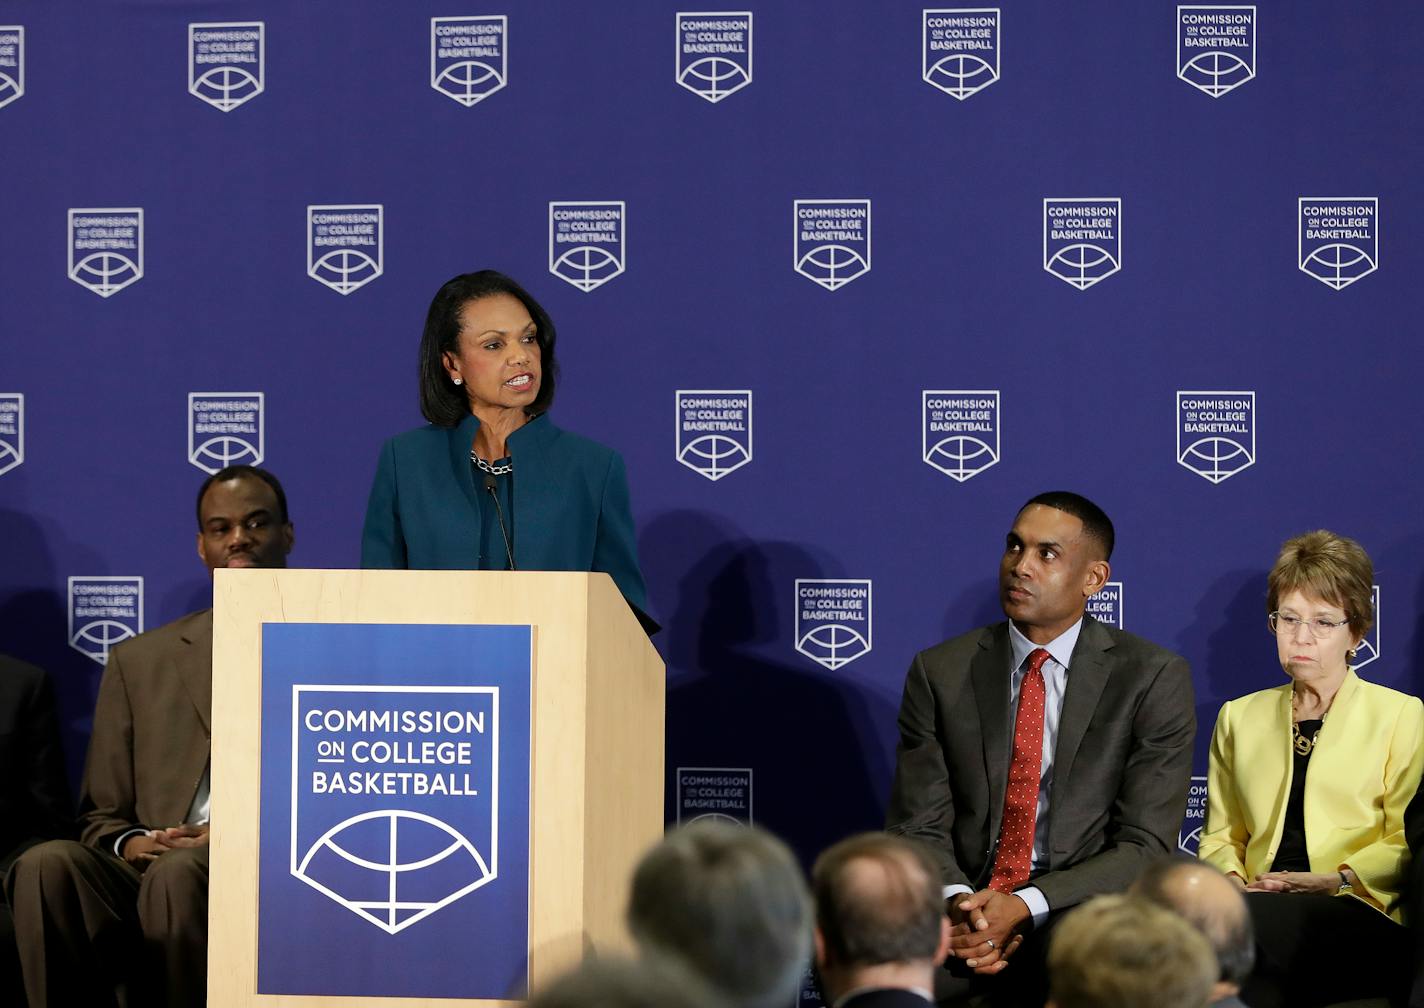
[1190,836]
[587,241]
[960,49]
[714,430]
[371,768]
[832,620]
[1338,240]
[1369,648]
[345,244]
[1216,47]
[1082,238]
[714,52]
[1216,433]
[469,56]
[225,62]
[12,430]
[106,248]
[715,793]
[225,428]
[959,434]
[12,63]
[1106,605]
[104,611]
[831,240]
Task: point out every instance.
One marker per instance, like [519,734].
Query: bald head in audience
[1211,903]
[1125,952]
[729,903]
[880,921]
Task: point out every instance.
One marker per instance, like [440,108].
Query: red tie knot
[1036,659]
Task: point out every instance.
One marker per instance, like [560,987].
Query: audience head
[879,914]
[1211,903]
[1055,559]
[1124,952]
[729,903]
[618,983]
[242,519]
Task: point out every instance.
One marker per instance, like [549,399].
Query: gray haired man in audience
[1209,902]
[730,904]
[881,929]
[1124,952]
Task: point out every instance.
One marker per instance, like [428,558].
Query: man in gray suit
[1046,759]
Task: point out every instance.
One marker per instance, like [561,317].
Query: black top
[1292,855]
[493,555]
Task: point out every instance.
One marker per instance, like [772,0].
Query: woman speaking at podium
[490,483]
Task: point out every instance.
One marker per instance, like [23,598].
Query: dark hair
[444,403]
[653,982]
[1226,924]
[729,902]
[1096,524]
[244,472]
[894,919]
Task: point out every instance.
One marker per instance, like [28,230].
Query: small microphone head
[491,484]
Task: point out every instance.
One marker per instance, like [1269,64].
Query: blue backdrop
[1189,165]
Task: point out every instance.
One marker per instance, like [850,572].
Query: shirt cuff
[956,889]
[119,843]
[1036,902]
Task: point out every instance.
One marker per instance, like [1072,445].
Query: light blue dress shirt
[1055,681]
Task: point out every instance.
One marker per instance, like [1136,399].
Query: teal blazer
[571,510]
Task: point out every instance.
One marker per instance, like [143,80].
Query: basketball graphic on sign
[714,455]
[961,74]
[96,639]
[1338,264]
[831,265]
[1216,72]
[468,81]
[832,645]
[345,269]
[9,457]
[9,90]
[714,77]
[394,867]
[961,456]
[1082,265]
[105,272]
[1215,457]
[221,452]
[226,87]
[587,266]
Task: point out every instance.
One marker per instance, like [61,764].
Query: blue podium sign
[395,811]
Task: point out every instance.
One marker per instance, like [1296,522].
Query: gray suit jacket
[1121,772]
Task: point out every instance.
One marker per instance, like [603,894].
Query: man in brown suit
[124,911]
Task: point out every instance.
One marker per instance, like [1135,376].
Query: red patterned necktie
[1014,859]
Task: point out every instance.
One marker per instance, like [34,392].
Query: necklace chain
[496,470]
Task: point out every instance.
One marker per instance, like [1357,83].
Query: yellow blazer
[1365,768]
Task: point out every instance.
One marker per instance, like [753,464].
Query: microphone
[492,485]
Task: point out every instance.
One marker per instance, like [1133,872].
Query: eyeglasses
[1320,627]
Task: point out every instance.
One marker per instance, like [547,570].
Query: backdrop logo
[12,63]
[1339,238]
[106,248]
[587,245]
[1190,836]
[1082,239]
[716,793]
[960,432]
[225,428]
[714,430]
[1106,605]
[1216,47]
[1216,433]
[225,62]
[1369,648]
[12,430]
[832,620]
[714,53]
[961,49]
[371,768]
[469,56]
[831,240]
[103,611]
[345,244]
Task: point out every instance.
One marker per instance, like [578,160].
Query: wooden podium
[595,779]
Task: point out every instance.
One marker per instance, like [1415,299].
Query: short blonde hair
[1331,567]
[1124,952]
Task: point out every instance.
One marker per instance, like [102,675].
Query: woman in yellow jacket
[1307,788]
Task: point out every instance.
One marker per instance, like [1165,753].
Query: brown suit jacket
[151,731]
[1121,771]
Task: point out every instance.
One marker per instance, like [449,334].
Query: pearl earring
[459,381]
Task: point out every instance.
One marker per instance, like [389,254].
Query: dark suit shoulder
[887,997]
[20,674]
[151,645]
[960,650]
[1125,646]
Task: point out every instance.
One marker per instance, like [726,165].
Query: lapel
[990,671]
[460,438]
[1088,674]
[533,504]
[194,662]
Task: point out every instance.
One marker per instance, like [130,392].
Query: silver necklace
[496,470]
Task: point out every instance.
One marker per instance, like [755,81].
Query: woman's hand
[1297,882]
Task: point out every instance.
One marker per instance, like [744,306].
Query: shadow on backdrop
[737,695]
